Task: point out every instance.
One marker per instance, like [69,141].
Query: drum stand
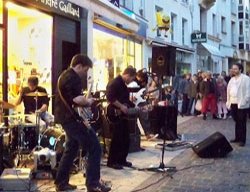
[82,162]
[21,141]
[38,147]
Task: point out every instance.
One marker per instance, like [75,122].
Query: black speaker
[216,145]
[163,61]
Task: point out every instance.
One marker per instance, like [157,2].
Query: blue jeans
[78,135]
[47,117]
[190,105]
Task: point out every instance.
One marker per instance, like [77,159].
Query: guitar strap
[76,117]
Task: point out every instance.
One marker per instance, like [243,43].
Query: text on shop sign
[65,7]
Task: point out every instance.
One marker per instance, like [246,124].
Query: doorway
[69,49]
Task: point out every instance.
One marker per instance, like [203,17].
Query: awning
[213,50]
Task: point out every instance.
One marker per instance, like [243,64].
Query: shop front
[39,38]
[112,53]
[209,57]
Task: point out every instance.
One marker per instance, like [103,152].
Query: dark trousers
[240,118]
[185,102]
[78,135]
[119,146]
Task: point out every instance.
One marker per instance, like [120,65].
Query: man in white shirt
[238,99]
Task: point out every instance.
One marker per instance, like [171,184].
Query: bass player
[118,97]
[78,133]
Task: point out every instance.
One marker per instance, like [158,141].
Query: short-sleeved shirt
[117,90]
[70,85]
[30,101]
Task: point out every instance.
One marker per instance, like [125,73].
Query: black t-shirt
[117,90]
[71,86]
[30,101]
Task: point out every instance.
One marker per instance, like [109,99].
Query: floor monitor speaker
[216,145]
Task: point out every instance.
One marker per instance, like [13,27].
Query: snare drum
[54,139]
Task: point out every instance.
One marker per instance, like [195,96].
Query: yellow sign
[163,22]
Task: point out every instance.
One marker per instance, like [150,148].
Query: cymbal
[36,94]
[6,105]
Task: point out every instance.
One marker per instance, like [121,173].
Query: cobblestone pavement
[195,174]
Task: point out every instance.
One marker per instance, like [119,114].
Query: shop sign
[199,37]
[115,2]
[61,7]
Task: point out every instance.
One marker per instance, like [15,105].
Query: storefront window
[138,56]
[1,64]
[111,55]
[1,11]
[29,48]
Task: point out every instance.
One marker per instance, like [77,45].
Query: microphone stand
[162,167]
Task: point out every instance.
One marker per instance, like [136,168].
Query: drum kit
[19,138]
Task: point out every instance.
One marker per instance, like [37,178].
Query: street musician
[118,97]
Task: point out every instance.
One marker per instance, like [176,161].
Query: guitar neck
[89,91]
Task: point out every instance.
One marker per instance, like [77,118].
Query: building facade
[37,38]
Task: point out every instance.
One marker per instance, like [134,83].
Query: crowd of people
[224,96]
[204,92]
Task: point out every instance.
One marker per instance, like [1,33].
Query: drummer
[36,101]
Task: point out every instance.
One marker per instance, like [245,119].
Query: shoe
[142,149]
[151,137]
[215,117]
[65,187]
[99,188]
[127,164]
[115,166]
[219,116]
[234,141]
[241,144]
[225,116]
[204,116]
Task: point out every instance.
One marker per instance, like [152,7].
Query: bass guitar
[114,114]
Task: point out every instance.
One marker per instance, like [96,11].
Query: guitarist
[143,81]
[77,132]
[118,97]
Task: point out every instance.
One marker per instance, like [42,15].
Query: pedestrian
[222,97]
[193,94]
[238,99]
[208,91]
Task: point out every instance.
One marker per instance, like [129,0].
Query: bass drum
[54,139]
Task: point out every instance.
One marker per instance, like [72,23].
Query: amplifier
[16,179]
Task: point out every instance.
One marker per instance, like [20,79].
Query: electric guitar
[114,114]
[88,114]
[139,97]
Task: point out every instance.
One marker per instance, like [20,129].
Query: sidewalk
[127,179]
[230,174]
